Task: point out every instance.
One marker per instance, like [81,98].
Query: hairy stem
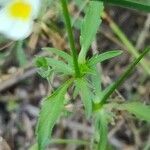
[70,36]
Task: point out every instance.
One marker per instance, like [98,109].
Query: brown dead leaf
[4,145]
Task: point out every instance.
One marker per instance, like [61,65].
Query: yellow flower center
[20,10]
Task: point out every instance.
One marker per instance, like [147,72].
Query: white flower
[17,16]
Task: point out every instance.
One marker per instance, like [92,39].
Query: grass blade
[123,77]
[143,5]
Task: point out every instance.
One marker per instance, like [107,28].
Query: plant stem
[122,78]
[124,39]
[135,4]
[70,36]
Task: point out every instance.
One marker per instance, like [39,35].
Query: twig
[16,78]
[21,74]
[6,46]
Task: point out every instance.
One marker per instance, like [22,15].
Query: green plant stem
[70,36]
[130,46]
[135,4]
[123,77]
[124,39]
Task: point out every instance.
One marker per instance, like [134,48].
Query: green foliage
[44,69]
[143,5]
[86,80]
[96,82]
[138,109]
[86,95]
[48,65]
[83,73]
[89,27]
[51,109]
[130,47]
[123,77]
[59,66]
[96,75]
[102,57]
[103,130]
[61,54]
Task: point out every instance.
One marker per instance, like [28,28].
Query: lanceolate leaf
[104,56]
[85,94]
[51,109]
[59,66]
[140,110]
[46,64]
[135,4]
[90,26]
[61,54]
[96,81]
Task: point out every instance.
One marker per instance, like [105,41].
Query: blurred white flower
[17,17]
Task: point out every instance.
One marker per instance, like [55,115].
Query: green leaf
[41,62]
[60,53]
[85,94]
[102,57]
[59,66]
[51,109]
[135,4]
[44,70]
[48,65]
[140,110]
[96,81]
[122,78]
[89,27]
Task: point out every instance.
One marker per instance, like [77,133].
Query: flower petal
[35,6]
[5,23]
[4,2]
[19,30]
[14,29]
